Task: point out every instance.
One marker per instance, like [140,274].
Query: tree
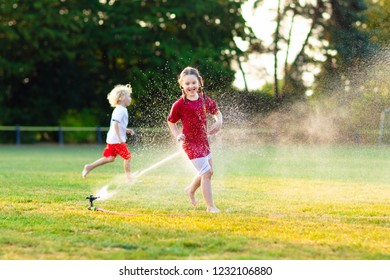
[293,84]
[372,82]
[347,45]
[64,56]
[276,46]
[333,33]
[378,24]
[43,70]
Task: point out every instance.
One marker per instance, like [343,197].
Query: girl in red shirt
[191,109]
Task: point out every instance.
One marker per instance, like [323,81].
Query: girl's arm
[217,125]
[175,132]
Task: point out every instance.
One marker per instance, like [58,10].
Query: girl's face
[190,85]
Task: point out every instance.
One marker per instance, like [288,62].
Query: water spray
[103,193]
[157,164]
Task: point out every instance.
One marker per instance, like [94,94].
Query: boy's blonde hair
[118,93]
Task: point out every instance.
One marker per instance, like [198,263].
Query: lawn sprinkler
[91,198]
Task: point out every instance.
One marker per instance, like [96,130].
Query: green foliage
[348,45]
[367,107]
[349,42]
[378,23]
[354,77]
[67,55]
[84,118]
[340,31]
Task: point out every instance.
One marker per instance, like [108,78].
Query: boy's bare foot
[213,210]
[85,171]
[191,194]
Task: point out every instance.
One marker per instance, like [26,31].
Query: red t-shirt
[192,114]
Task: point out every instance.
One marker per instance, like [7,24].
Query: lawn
[277,202]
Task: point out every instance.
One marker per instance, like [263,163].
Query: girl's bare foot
[85,171]
[191,194]
[213,210]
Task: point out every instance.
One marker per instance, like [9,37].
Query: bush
[85,118]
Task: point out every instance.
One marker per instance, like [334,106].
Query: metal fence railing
[61,134]
[17,130]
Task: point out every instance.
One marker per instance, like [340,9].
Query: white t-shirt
[121,116]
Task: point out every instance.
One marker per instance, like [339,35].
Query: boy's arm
[217,125]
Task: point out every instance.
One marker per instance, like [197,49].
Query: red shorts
[112,150]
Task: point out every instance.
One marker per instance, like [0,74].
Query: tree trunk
[276,42]
[287,53]
[243,74]
[316,16]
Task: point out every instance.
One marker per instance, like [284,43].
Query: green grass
[277,202]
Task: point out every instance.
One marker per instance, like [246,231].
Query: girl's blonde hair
[118,93]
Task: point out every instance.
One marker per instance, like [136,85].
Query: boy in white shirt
[119,98]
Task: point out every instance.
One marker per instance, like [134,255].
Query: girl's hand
[215,128]
[180,137]
[130,131]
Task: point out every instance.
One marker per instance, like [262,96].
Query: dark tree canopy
[60,58]
[348,45]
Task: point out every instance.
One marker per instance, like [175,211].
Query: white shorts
[202,164]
